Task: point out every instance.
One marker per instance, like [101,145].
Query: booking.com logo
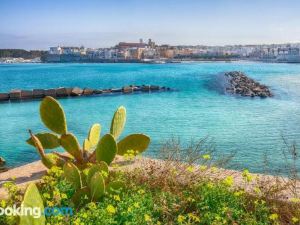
[35,212]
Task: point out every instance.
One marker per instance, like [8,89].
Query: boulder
[127,89]
[154,88]
[76,91]
[15,94]
[4,96]
[50,92]
[61,92]
[146,88]
[98,91]
[25,94]
[38,93]
[2,161]
[88,91]
[115,90]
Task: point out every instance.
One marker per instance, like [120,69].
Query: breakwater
[18,94]
[240,84]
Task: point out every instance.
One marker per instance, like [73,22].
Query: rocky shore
[240,84]
[17,94]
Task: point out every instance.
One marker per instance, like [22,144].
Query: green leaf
[106,149]
[101,167]
[72,175]
[33,199]
[118,122]
[70,143]
[97,186]
[94,134]
[48,140]
[136,142]
[53,116]
[115,186]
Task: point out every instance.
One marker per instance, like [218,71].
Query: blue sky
[38,24]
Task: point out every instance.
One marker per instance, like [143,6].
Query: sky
[39,24]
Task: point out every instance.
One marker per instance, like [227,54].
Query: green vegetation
[21,53]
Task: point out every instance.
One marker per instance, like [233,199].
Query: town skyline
[39,24]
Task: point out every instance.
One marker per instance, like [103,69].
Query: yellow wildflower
[206,157]
[117,198]
[136,204]
[50,203]
[111,209]
[141,191]
[147,218]
[273,216]
[229,181]
[202,167]
[247,176]
[295,200]
[295,220]
[180,218]
[190,169]
[129,209]
[194,217]
[64,196]
[3,203]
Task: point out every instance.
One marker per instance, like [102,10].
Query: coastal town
[150,52]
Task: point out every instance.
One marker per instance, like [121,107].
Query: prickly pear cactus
[94,134]
[136,142]
[53,115]
[86,145]
[118,122]
[72,174]
[70,143]
[115,186]
[48,140]
[33,199]
[97,186]
[101,167]
[106,149]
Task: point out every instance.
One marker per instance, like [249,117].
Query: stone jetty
[61,92]
[239,83]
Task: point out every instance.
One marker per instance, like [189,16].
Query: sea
[251,129]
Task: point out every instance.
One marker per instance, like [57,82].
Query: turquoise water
[251,127]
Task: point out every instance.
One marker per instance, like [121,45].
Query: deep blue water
[251,127]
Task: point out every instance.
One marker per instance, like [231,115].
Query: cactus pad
[53,115]
[48,140]
[100,167]
[94,134]
[115,186]
[86,145]
[136,142]
[118,122]
[72,175]
[33,199]
[70,143]
[97,186]
[106,149]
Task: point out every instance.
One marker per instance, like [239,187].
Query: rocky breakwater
[240,84]
[18,94]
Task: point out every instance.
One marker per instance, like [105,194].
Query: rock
[146,88]
[26,94]
[15,94]
[127,89]
[4,96]
[38,93]
[98,92]
[115,90]
[61,92]
[239,83]
[76,91]
[154,88]
[69,91]
[88,91]
[50,92]
[2,161]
